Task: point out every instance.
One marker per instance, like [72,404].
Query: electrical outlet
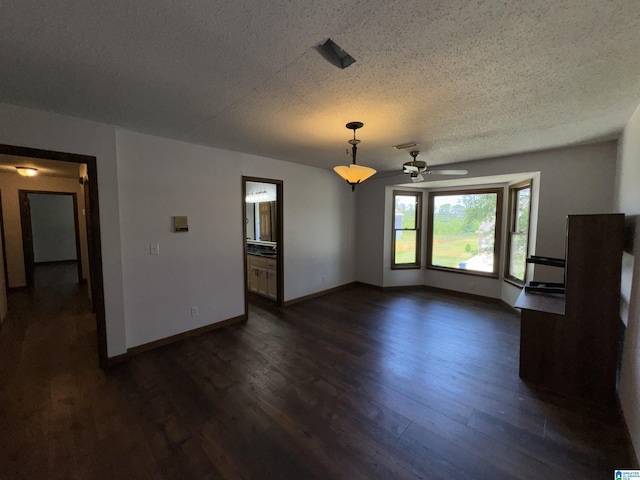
[154,249]
[194,311]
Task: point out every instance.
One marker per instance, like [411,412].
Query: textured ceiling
[465,79]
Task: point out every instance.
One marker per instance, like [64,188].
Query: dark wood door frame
[27,232]
[87,223]
[95,246]
[4,248]
[279,237]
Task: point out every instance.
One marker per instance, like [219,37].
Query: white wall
[628,202]
[571,180]
[204,267]
[371,202]
[150,297]
[10,183]
[200,268]
[319,217]
[31,128]
[53,227]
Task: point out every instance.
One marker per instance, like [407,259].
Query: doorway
[50,230]
[262,220]
[93,230]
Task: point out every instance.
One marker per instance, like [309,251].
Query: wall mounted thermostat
[180,224]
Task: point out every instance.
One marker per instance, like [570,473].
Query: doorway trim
[4,248]
[93,240]
[27,232]
[280,233]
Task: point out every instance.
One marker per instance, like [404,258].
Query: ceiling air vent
[335,55]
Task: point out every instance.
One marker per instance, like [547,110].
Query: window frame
[417,229]
[511,220]
[497,231]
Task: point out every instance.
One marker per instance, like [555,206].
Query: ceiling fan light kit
[416,168]
[354,174]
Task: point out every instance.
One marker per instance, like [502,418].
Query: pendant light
[354,174]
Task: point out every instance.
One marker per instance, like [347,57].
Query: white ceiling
[465,79]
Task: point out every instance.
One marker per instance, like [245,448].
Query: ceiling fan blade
[410,168]
[388,175]
[447,172]
[417,178]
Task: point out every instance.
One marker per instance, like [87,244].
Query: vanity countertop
[261,249]
[260,242]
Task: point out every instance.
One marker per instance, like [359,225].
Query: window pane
[518,260]
[405,247]
[405,212]
[522,209]
[464,231]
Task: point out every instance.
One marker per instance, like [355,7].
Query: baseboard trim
[242,318]
[111,361]
[635,464]
[390,289]
[403,288]
[369,285]
[319,294]
[470,296]
[444,291]
[174,338]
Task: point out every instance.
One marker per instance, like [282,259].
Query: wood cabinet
[262,276]
[569,343]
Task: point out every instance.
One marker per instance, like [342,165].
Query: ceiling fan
[417,169]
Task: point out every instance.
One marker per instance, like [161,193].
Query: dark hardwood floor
[355,384]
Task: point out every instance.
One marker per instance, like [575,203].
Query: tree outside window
[406,229]
[463,230]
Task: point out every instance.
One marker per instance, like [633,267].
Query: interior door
[265,221]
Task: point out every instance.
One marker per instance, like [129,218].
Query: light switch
[154,249]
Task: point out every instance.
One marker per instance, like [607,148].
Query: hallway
[47,353]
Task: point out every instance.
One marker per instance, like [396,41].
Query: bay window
[464,231]
[406,229]
[518,232]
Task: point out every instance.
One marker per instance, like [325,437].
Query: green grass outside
[406,249]
[449,251]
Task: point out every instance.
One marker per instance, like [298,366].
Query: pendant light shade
[354,174]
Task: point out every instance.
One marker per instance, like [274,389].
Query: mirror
[260,212]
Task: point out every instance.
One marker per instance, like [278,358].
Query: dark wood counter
[541,303]
[569,344]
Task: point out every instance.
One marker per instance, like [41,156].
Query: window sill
[515,283]
[405,267]
[464,272]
